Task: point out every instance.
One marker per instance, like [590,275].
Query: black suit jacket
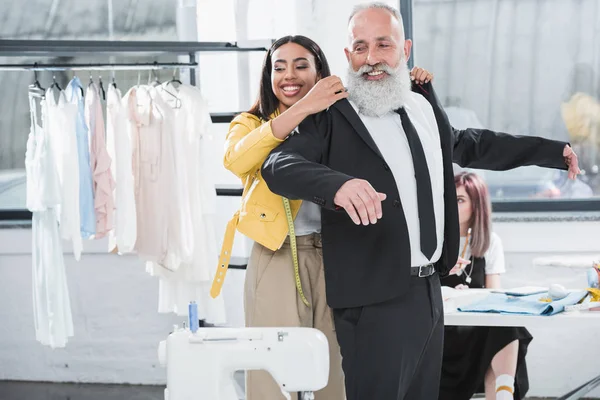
[370,264]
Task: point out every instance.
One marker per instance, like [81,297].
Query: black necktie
[424,191]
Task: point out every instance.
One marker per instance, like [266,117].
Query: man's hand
[361,201]
[572,161]
[460,264]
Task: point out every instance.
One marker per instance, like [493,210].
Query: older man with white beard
[380,166]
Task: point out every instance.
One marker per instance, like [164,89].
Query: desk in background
[588,320]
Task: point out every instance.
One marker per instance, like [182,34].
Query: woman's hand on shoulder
[420,75]
[325,92]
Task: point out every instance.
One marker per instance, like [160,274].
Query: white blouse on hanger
[62,117]
[100,163]
[51,303]
[202,186]
[152,161]
[196,193]
[118,144]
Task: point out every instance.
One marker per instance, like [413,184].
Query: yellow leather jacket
[262,214]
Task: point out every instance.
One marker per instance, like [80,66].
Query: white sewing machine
[201,365]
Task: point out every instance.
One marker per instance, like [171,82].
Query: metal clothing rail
[95,67]
[55,48]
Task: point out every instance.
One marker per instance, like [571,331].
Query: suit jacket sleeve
[485,149]
[294,168]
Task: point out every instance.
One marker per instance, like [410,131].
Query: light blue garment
[503,304]
[86,191]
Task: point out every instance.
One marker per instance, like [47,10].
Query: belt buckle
[421,267]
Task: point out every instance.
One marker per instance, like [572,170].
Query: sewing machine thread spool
[193,316]
[593,277]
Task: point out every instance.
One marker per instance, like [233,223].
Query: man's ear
[347,52]
[407,48]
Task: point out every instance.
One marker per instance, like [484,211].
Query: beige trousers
[271,299]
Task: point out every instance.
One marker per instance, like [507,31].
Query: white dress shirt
[389,136]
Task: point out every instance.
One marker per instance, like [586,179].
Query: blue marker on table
[193,316]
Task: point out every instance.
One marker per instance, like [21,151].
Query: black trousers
[393,350]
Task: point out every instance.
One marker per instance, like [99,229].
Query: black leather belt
[422,271]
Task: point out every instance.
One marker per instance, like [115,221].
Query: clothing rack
[223,117]
[54,48]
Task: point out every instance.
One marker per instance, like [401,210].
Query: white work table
[457,298]
[456,318]
[582,319]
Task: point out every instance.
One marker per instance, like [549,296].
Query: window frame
[507,206]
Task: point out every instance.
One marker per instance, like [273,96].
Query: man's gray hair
[375,5]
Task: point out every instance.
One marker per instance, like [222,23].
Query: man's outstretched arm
[486,149]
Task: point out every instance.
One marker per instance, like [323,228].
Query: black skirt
[468,353]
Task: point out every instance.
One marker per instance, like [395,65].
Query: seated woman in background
[481,358]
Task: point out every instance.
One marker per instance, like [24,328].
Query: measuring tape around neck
[290,222]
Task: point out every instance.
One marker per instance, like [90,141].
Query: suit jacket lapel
[348,112]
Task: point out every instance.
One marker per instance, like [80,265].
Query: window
[229,81]
[521,67]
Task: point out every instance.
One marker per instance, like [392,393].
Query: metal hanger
[101,87]
[155,73]
[113,83]
[171,82]
[80,88]
[55,85]
[35,88]
[175,80]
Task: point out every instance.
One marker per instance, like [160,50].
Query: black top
[476,270]
[469,350]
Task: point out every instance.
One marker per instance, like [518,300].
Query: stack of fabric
[535,304]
